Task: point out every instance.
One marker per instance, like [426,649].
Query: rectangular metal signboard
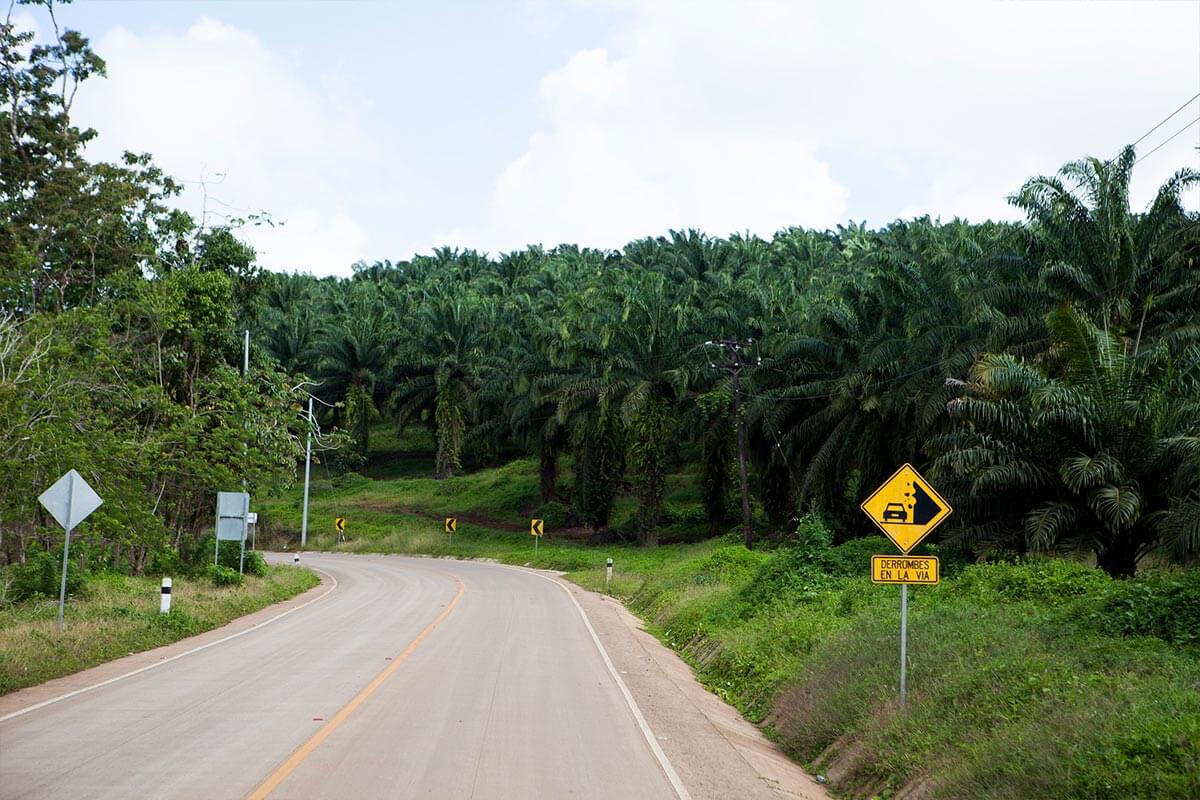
[232,510]
[904,569]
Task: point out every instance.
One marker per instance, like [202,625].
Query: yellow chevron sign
[451,524]
[535,527]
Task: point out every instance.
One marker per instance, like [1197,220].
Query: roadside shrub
[168,562]
[1164,604]
[553,513]
[691,514]
[229,554]
[1046,581]
[41,574]
[811,539]
[223,576]
[788,576]
[729,565]
[853,558]
[255,564]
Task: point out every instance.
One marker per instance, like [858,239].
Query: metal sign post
[62,587]
[906,508]
[903,641]
[70,501]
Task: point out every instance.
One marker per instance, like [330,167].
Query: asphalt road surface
[402,678]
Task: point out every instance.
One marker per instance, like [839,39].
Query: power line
[1168,139]
[1163,121]
[1166,120]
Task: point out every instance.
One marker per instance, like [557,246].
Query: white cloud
[214,103]
[758,115]
[714,115]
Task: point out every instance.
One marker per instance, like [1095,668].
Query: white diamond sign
[70,500]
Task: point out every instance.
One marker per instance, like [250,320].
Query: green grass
[397,483]
[1033,680]
[382,518]
[409,454]
[1016,688]
[117,615]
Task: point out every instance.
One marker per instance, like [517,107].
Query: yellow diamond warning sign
[906,508]
[904,569]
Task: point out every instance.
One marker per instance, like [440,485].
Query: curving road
[406,678]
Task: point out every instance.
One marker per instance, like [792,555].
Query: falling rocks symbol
[924,507]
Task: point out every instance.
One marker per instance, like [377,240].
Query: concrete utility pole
[245,447]
[307,473]
[734,361]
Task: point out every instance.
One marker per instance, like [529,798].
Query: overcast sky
[374,130]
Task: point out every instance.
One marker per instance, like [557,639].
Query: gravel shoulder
[717,753]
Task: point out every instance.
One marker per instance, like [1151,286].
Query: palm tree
[1105,457]
[449,366]
[1130,271]
[352,358]
[639,338]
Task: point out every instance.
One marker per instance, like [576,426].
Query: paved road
[412,678]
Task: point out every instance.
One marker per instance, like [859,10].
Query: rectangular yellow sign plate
[904,569]
[906,508]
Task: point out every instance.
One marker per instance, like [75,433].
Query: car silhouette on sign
[895,513]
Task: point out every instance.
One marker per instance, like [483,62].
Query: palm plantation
[1045,371]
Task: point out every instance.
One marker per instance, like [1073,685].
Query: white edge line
[663,761]
[175,657]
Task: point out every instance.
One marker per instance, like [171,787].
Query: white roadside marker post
[296,559]
[608,574]
[164,605]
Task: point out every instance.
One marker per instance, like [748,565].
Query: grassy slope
[118,615]
[1017,687]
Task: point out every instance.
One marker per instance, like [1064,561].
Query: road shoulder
[716,752]
[25,699]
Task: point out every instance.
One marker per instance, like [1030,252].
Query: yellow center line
[305,750]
